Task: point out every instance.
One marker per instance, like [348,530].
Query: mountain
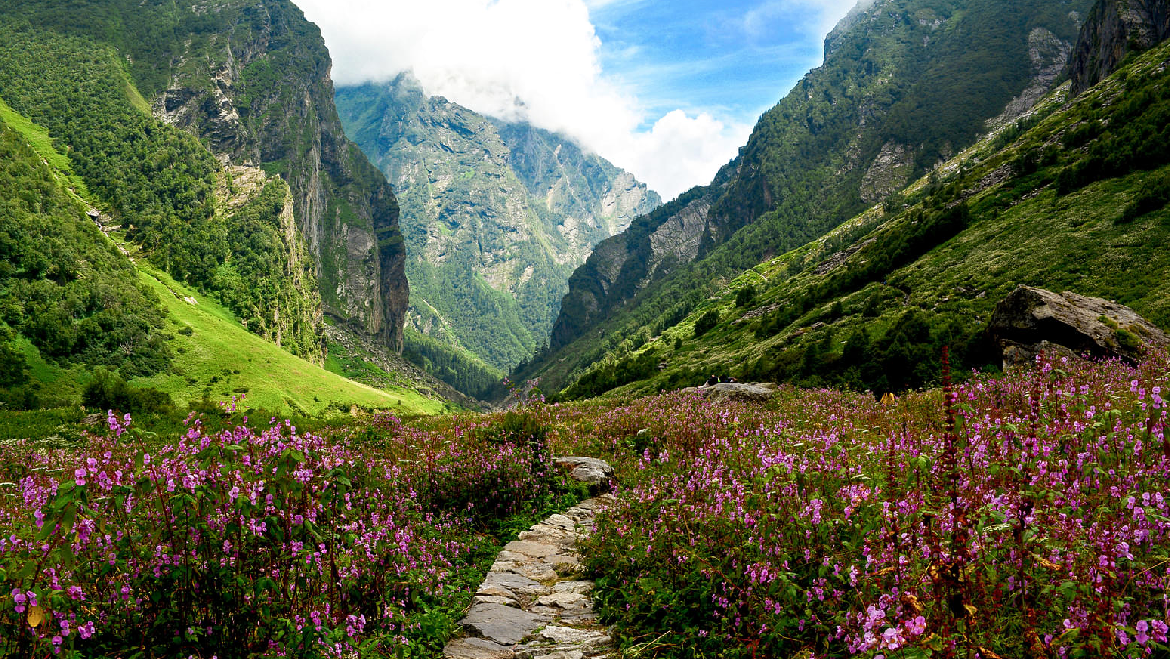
[80,301]
[199,146]
[905,85]
[1070,196]
[248,86]
[496,215]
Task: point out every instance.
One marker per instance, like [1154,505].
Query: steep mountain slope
[495,215]
[62,285]
[72,300]
[905,84]
[1072,196]
[250,79]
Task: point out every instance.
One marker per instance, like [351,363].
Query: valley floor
[1021,515]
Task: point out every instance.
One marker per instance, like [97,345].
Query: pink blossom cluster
[274,542]
[829,523]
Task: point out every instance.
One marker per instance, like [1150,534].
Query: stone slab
[477,648]
[501,624]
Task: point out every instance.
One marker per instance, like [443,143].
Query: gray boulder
[758,392]
[1032,320]
[587,470]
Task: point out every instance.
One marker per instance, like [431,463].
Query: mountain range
[496,215]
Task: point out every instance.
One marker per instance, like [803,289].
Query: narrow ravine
[533,604]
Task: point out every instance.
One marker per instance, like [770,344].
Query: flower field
[1025,516]
[1022,516]
[258,542]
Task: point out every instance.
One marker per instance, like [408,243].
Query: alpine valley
[496,217]
[891,385]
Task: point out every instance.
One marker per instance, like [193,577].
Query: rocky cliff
[496,215]
[251,78]
[622,266]
[1113,29]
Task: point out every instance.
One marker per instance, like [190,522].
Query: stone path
[533,603]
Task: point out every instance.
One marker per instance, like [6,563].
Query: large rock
[587,470]
[1033,320]
[758,392]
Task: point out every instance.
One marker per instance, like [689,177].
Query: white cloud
[824,15]
[537,60]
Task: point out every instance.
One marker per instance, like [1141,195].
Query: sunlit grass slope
[218,358]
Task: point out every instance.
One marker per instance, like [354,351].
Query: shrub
[706,322]
[745,296]
[108,391]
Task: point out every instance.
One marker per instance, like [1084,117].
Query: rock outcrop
[759,392]
[1032,320]
[1112,30]
[257,89]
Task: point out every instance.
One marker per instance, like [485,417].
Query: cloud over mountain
[533,60]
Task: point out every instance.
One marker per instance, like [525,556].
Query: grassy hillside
[215,356]
[71,301]
[1071,197]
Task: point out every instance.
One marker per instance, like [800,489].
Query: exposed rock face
[890,172]
[496,215]
[1033,320]
[621,266]
[1112,30]
[295,316]
[264,99]
[1049,55]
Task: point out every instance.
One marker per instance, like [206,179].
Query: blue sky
[732,59]
[669,90]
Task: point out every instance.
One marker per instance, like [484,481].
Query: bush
[745,296]
[1153,196]
[13,367]
[108,391]
[706,323]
